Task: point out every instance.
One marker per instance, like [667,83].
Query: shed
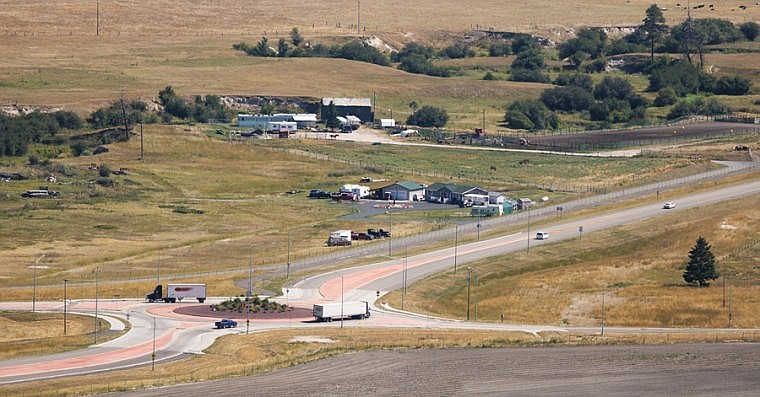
[404,191]
[387,123]
[305,120]
[497,198]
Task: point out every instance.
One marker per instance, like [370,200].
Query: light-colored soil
[663,370]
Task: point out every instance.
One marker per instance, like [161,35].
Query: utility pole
[469,283]
[65,303]
[142,144]
[456,237]
[97,275]
[287,272]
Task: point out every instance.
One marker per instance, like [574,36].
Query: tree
[331,118]
[750,30]
[283,48]
[701,266]
[530,114]
[429,116]
[654,27]
[295,37]
[732,85]
[568,98]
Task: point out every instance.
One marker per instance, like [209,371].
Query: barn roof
[347,102]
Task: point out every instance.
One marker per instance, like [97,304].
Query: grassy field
[27,334]
[125,231]
[639,266]
[144,46]
[267,351]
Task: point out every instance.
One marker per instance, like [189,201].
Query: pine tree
[701,266]
[654,27]
[331,119]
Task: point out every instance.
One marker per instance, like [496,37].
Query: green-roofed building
[403,191]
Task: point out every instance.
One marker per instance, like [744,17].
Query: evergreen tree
[701,266]
[331,118]
[654,27]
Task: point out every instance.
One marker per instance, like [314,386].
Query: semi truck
[177,292]
[337,310]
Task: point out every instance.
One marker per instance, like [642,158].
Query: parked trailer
[337,310]
[339,237]
[177,292]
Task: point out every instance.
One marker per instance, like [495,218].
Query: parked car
[669,205]
[362,236]
[316,193]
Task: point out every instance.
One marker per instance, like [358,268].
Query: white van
[542,236]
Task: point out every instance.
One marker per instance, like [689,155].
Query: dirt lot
[664,370]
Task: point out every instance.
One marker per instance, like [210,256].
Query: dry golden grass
[267,351]
[144,46]
[26,334]
[641,265]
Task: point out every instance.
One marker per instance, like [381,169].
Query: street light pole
[341,301]
[287,272]
[249,293]
[65,304]
[34,286]
[403,279]
[153,356]
[97,275]
[469,283]
[390,233]
[456,238]
[477,281]
[529,228]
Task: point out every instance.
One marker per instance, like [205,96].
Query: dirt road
[662,370]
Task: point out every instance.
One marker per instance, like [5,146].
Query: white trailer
[177,292]
[339,237]
[337,310]
[359,190]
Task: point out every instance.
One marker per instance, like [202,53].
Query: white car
[542,236]
[669,205]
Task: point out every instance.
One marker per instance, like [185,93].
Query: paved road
[176,335]
[662,370]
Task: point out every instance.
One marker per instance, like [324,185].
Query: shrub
[732,85]
[665,97]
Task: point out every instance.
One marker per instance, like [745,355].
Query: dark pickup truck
[316,193]
[226,323]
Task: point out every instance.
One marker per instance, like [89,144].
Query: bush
[575,79]
[665,97]
[107,182]
[499,49]
[528,75]
[732,85]
[568,99]
[530,114]
[428,116]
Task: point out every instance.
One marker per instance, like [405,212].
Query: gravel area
[661,370]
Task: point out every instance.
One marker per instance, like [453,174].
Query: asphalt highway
[157,329]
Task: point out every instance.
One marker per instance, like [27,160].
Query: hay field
[640,266]
[51,54]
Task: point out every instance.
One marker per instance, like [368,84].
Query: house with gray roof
[452,193]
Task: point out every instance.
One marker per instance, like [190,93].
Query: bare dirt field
[646,135]
[662,370]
